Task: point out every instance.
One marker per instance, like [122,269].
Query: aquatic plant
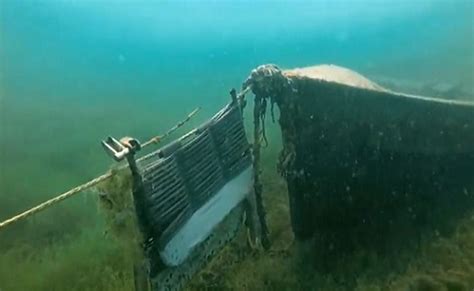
[90,260]
[435,261]
[116,203]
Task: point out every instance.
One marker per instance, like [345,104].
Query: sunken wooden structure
[353,154]
[356,154]
[189,198]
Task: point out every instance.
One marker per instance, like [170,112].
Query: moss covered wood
[356,154]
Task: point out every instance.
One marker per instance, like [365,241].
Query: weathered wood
[356,153]
[258,187]
[196,177]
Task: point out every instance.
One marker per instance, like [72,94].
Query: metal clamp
[119,150]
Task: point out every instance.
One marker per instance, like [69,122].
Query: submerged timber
[189,199]
[361,158]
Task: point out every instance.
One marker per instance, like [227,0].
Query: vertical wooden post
[258,188]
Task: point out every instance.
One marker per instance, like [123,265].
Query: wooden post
[258,188]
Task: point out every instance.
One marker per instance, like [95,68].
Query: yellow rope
[55,200]
[158,138]
[101,178]
[92,182]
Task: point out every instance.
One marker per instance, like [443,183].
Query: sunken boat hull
[360,159]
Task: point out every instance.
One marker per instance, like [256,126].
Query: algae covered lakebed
[95,260]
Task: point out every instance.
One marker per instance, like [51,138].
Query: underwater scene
[342,160]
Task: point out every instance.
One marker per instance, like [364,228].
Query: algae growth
[433,261]
[116,204]
[94,260]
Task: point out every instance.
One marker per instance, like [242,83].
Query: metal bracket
[119,150]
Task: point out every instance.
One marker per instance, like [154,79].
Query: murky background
[73,72]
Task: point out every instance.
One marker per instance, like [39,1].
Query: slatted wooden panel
[231,142]
[201,168]
[179,182]
[167,196]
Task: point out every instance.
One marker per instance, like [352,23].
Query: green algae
[94,259]
[117,206]
[434,262]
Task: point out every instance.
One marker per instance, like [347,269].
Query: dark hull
[357,159]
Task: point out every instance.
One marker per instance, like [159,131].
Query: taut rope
[56,200]
[93,182]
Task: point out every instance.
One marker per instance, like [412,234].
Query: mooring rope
[93,182]
[158,138]
[56,200]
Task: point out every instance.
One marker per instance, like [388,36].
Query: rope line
[56,200]
[158,138]
[93,182]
